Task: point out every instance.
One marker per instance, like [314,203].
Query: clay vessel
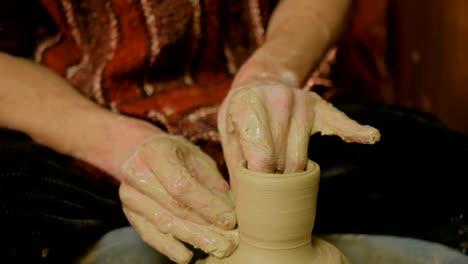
[276,214]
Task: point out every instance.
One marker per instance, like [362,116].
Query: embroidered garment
[170,62]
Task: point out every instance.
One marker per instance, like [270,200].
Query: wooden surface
[430,45]
[412,53]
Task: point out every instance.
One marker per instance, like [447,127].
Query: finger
[252,125]
[204,168]
[168,164]
[299,134]
[199,236]
[280,104]
[329,120]
[139,176]
[165,244]
[230,141]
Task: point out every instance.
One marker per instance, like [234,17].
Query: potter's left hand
[268,124]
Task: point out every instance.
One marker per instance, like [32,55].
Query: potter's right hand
[172,191]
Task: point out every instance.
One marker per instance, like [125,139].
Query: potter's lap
[123,246]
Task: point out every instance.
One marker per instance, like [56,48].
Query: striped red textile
[170,62]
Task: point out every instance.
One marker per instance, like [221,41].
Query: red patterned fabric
[361,72]
[167,61]
[170,62]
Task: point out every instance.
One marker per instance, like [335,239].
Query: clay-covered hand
[268,124]
[172,191]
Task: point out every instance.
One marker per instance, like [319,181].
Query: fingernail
[374,135]
[227,220]
[183,257]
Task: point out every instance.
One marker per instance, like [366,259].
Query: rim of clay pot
[312,166]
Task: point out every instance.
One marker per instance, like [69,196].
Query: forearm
[298,35]
[42,104]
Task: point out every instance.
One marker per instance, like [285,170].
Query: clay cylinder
[277,211]
[276,214]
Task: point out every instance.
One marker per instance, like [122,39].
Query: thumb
[328,120]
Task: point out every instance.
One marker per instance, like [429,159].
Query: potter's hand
[173,191]
[268,124]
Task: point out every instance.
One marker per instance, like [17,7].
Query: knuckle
[165,223]
[176,205]
[160,144]
[184,213]
[283,99]
[241,93]
[180,186]
[178,152]
[123,192]
[242,97]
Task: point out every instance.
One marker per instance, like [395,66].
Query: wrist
[269,64]
[298,36]
[276,61]
[108,140]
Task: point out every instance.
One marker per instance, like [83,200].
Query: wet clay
[276,214]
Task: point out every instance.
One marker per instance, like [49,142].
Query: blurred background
[395,55]
[402,66]
[408,53]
